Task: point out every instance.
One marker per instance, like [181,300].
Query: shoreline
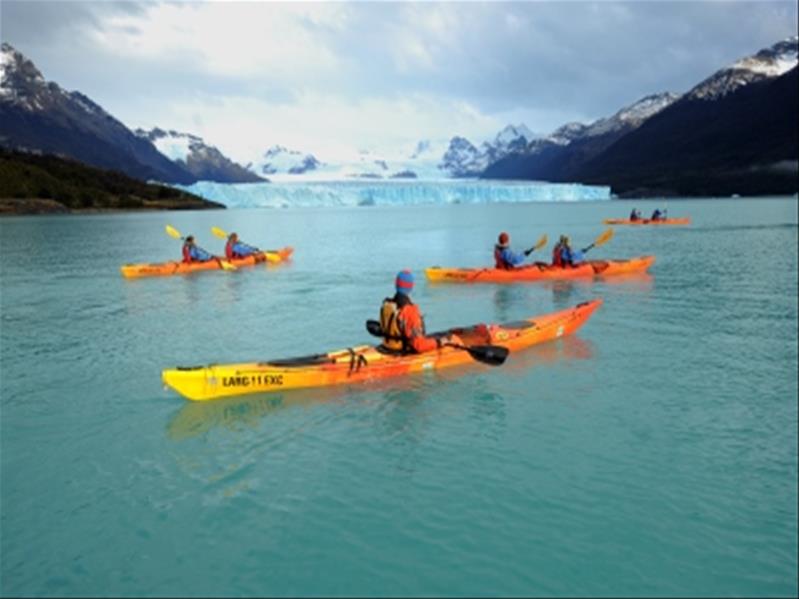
[10,207]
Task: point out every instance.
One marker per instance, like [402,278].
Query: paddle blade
[219,232]
[493,355]
[173,232]
[541,242]
[604,238]
[273,257]
[227,265]
[374,328]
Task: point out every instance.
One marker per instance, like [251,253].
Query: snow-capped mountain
[512,137]
[733,133]
[768,63]
[631,116]
[37,115]
[565,134]
[463,159]
[281,160]
[206,162]
[556,156]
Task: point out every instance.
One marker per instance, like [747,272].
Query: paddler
[193,253]
[557,252]
[657,214]
[635,215]
[237,249]
[403,324]
[568,255]
[504,257]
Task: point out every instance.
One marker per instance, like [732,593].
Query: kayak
[176,267]
[364,363]
[646,221]
[540,271]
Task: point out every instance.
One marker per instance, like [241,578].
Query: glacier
[391,193]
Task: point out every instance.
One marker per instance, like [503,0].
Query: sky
[335,78]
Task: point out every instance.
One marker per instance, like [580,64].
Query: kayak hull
[176,267]
[588,269]
[366,362]
[645,221]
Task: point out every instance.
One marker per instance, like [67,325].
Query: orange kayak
[645,221]
[365,363]
[540,271]
[176,267]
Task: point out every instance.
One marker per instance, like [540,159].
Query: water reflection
[401,404]
[246,412]
[507,298]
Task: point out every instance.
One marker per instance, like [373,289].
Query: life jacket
[557,256]
[186,253]
[229,254]
[393,340]
[499,261]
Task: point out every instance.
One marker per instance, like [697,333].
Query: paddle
[173,232]
[493,355]
[538,245]
[270,256]
[601,240]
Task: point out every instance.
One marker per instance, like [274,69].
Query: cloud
[324,124]
[360,71]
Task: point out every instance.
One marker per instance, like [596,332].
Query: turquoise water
[654,453]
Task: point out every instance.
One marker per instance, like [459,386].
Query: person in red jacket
[557,252]
[403,324]
[237,249]
[194,253]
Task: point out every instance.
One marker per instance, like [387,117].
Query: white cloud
[246,75]
[330,126]
[242,40]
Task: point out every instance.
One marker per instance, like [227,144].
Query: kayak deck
[177,267]
[647,221]
[367,362]
[540,272]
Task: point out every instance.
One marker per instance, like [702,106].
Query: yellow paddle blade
[541,242]
[173,232]
[273,257]
[219,232]
[227,265]
[604,238]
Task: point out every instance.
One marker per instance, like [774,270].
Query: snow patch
[174,147]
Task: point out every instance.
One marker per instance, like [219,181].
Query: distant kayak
[364,363]
[176,267]
[540,272]
[646,221]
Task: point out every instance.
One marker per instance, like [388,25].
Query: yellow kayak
[364,363]
[176,267]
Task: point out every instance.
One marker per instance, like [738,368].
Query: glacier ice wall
[385,193]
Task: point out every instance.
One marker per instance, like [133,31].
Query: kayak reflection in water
[237,249]
[194,253]
[403,324]
[506,259]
